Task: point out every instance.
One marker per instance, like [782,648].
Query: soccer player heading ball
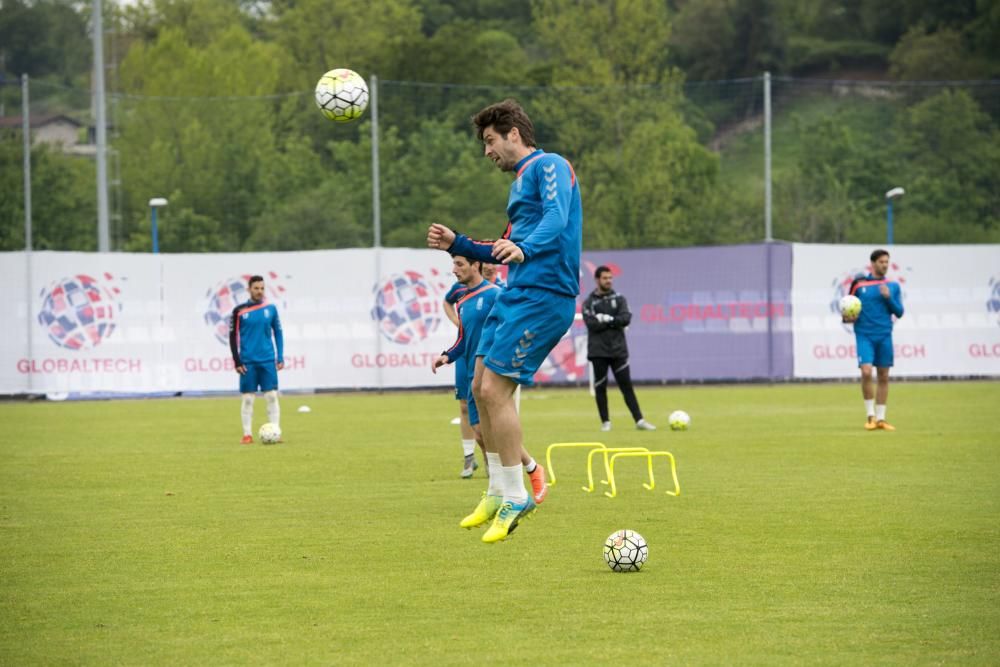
[541,245]
[880,301]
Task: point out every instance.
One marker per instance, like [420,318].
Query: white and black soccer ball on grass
[679,420]
[342,95]
[270,434]
[625,551]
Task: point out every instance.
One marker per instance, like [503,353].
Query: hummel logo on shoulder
[519,354]
[528,335]
[549,167]
[525,343]
[516,364]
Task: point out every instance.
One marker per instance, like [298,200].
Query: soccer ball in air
[342,95]
[679,420]
[270,434]
[850,306]
[625,551]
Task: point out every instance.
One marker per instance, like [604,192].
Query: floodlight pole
[154,204]
[889,196]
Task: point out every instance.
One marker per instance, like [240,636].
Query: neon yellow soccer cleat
[883,425]
[485,510]
[507,519]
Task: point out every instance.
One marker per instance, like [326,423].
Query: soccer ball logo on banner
[231,292]
[79,312]
[408,306]
[993,303]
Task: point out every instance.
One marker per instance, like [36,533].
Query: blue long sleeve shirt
[473,308]
[877,311]
[251,328]
[545,221]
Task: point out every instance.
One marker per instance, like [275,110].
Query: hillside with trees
[657,104]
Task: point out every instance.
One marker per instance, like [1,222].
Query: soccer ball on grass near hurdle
[850,306]
[342,95]
[270,434]
[679,420]
[625,551]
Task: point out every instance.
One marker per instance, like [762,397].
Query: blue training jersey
[545,221]
[473,308]
[456,292]
[250,332]
[875,319]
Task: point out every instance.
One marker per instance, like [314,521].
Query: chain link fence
[676,164]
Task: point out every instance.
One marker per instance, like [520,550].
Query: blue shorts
[462,388]
[874,351]
[473,411]
[523,327]
[264,376]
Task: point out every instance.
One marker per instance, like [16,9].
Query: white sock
[468,447]
[246,411]
[530,466]
[273,409]
[879,413]
[513,484]
[495,469]
[870,407]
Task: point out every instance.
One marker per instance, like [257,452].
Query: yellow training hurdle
[558,445]
[607,470]
[649,461]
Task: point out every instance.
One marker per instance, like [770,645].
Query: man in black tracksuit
[606,315]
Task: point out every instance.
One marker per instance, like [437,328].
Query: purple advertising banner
[717,313]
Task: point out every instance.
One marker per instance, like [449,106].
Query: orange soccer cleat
[883,425]
[247,440]
[539,489]
[870,425]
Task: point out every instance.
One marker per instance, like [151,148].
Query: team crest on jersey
[479,303]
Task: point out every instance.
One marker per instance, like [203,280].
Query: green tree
[221,157]
[42,39]
[63,208]
[951,152]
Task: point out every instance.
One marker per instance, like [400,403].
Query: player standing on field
[606,314]
[251,328]
[542,246]
[881,301]
[473,306]
[463,388]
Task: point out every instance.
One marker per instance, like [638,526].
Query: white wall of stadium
[361,318]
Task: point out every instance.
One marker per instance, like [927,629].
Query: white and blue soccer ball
[625,551]
[342,95]
[850,306]
[270,434]
[679,420]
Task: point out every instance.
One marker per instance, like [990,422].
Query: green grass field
[140,533]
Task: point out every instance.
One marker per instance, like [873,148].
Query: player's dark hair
[255,279]
[879,253]
[504,116]
[601,269]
